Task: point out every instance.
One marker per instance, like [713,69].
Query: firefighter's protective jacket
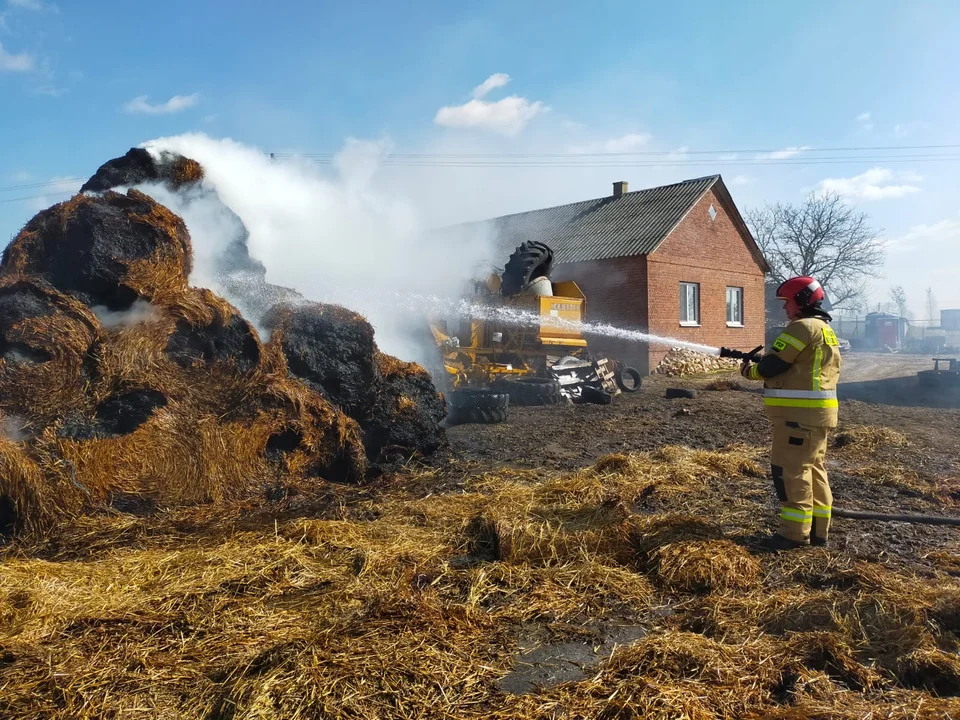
[807,392]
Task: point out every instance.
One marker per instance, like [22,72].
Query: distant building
[676,261]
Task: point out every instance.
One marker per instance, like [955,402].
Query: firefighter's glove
[749,370]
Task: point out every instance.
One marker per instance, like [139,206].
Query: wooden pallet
[608,376]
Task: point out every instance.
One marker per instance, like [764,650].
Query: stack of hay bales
[124,389]
[680,362]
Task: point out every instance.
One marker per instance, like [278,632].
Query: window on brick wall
[689,303]
[735,306]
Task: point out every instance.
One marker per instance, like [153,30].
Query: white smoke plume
[332,234]
[141,311]
[14,428]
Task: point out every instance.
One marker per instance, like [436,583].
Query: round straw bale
[330,348]
[706,566]
[46,339]
[105,250]
[211,330]
[141,166]
[406,417]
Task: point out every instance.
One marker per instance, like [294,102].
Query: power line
[792,150]
[49,183]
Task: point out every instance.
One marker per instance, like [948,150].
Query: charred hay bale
[46,343]
[194,349]
[213,332]
[106,250]
[332,349]
[406,417]
[141,166]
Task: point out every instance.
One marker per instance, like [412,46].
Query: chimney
[619,188]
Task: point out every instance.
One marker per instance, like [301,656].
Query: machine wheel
[531,391]
[529,261]
[477,399]
[628,379]
[674,393]
[483,416]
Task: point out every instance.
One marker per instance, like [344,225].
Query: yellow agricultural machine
[518,334]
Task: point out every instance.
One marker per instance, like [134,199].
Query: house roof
[636,223]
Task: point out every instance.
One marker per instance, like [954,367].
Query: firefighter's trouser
[798,460]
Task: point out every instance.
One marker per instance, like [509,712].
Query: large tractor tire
[532,391]
[477,399]
[471,416]
[529,261]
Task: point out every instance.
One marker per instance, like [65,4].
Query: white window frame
[735,322]
[685,304]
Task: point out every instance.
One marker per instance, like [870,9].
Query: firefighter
[800,378]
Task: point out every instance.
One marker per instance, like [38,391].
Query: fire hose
[921,519]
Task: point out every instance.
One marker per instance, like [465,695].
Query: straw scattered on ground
[411,600]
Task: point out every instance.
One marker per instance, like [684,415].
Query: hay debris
[706,566]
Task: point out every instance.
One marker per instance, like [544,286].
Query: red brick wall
[616,292]
[712,253]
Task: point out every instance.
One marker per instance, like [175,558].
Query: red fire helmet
[805,291]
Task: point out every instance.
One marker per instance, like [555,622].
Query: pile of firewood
[680,362]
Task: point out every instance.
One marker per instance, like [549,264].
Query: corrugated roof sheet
[633,224]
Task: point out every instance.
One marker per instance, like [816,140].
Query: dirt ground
[916,470]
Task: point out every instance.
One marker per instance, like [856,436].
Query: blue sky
[82,82]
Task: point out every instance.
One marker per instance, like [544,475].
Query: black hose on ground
[922,519]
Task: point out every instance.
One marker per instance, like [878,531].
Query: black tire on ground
[628,379]
[529,261]
[532,391]
[596,396]
[674,393]
[483,416]
[477,399]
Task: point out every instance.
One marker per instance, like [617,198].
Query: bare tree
[899,297]
[823,237]
[931,305]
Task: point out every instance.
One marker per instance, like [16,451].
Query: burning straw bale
[332,349]
[140,166]
[866,439]
[406,417]
[45,341]
[105,250]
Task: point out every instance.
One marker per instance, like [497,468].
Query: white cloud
[493,82]
[21,176]
[740,180]
[10,62]
[572,126]
[874,184]
[864,120]
[506,117]
[783,154]
[943,234]
[632,142]
[142,105]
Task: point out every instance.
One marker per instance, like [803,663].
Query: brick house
[676,261]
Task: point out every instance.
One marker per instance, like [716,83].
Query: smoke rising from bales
[335,236]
